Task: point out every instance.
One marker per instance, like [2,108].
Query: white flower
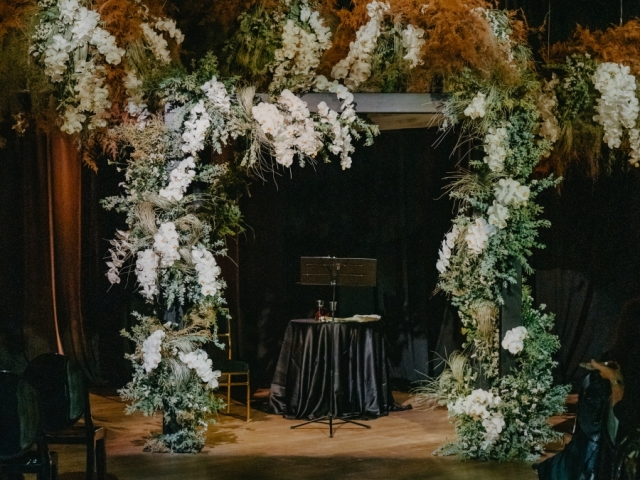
[56,57]
[156,43]
[151,349]
[146,267]
[217,94]
[356,67]
[68,9]
[199,361]
[412,41]
[498,215]
[207,269]
[448,244]
[195,129]
[478,234]
[510,192]
[179,180]
[495,148]
[289,127]
[514,340]
[303,43]
[617,107]
[493,426]
[72,120]
[634,143]
[169,26]
[477,107]
[84,23]
[106,45]
[166,243]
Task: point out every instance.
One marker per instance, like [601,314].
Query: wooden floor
[398,446]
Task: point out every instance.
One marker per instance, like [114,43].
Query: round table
[301,384]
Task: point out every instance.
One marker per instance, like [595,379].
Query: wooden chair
[231,368]
[63,397]
[20,428]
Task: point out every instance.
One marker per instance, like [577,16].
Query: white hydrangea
[199,361]
[498,215]
[157,44]
[303,43]
[179,180]
[477,107]
[510,192]
[169,26]
[146,271]
[478,234]
[412,41]
[207,269]
[448,244]
[151,349]
[195,129]
[617,107]
[514,340]
[217,94]
[356,67]
[166,243]
[495,148]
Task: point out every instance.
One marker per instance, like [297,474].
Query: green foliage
[251,49]
[389,70]
[172,387]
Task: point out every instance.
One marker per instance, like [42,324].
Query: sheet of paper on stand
[355,318]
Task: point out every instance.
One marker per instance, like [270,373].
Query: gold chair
[231,368]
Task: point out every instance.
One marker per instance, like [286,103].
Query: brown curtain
[52,186]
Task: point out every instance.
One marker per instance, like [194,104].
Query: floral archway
[117,85]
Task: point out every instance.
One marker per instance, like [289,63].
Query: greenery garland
[155,118]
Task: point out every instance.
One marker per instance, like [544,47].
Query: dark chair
[230,368]
[20,428]
[63,397]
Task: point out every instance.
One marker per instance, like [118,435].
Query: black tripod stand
[345,271]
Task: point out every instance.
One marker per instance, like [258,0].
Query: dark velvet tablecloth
[301,384]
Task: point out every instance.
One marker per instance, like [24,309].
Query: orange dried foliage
[348,23]
[123,17]
[455,37]
[620,44]
[15,14]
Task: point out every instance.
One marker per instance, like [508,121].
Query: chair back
[19,416]
[61,389]
[226,334]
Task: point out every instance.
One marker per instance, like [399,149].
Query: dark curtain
[43,193]
[388,206]
[591,266]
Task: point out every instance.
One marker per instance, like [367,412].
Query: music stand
[353,272]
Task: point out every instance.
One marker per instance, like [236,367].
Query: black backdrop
[386,207]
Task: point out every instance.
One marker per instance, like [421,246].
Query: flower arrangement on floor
[117,82]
